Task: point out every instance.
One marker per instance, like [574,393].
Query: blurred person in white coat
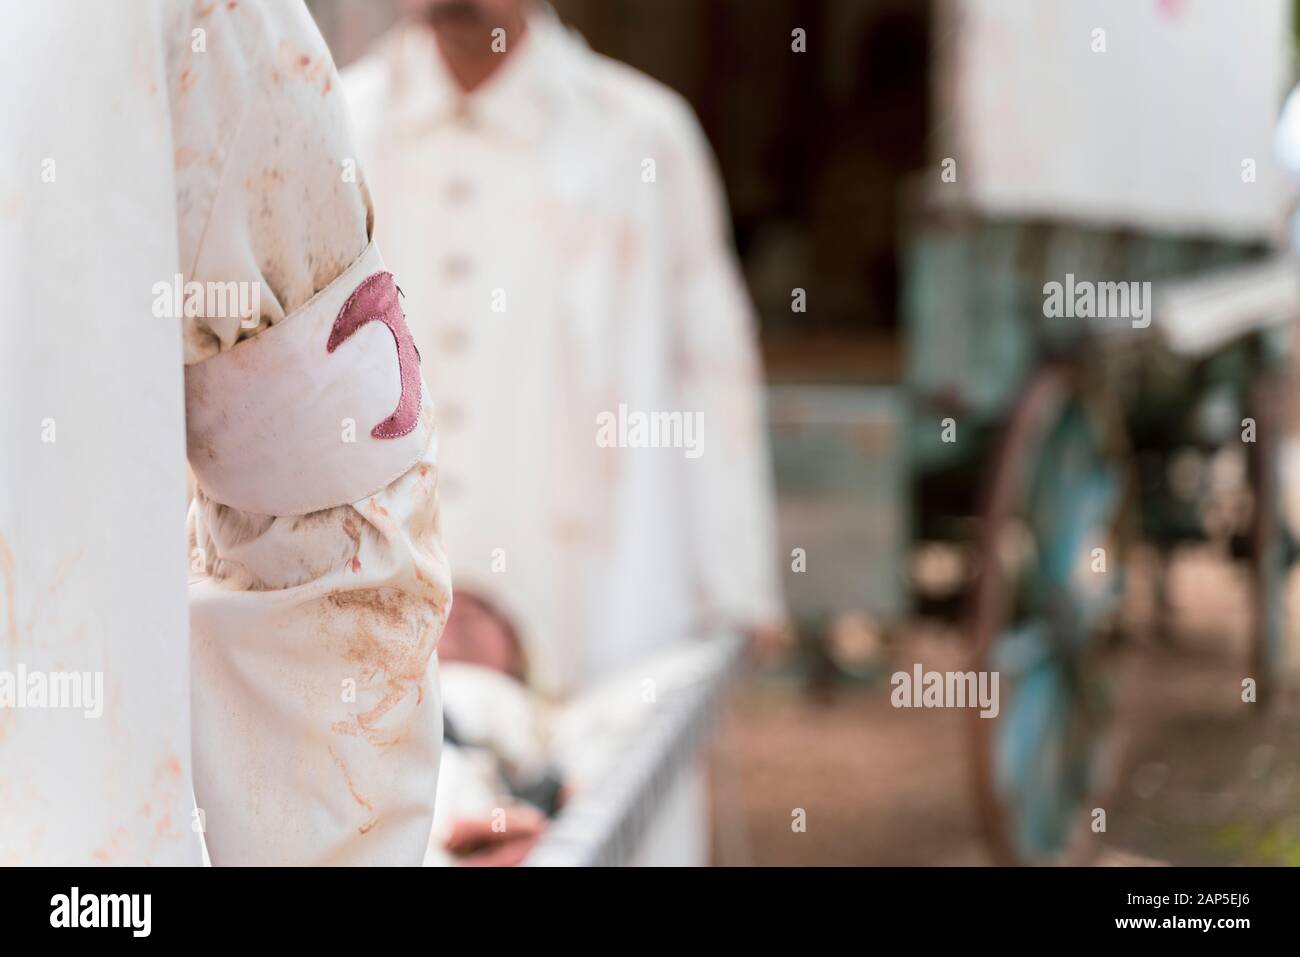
[564,249]
[176,197]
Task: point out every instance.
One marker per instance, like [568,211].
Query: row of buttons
[454,341]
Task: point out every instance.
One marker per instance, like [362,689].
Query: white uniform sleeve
[718,372]
[317,725]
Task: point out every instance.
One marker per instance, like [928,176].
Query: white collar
[518,101]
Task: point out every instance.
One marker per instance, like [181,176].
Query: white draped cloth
[92,547]
[1156,114]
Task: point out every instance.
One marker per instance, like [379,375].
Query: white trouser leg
[316,719]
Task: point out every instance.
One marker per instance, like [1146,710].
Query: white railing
[605,825]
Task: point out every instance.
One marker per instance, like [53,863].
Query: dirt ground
[1204,778]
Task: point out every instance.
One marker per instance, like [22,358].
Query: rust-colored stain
[389,605]
[315,71]
[57,581]
[7,576]
[200,447]
[407,624]
[627,247]
[570,530]
[351,530]
[115,846]
[264,184]
[356,795]
[170,767]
